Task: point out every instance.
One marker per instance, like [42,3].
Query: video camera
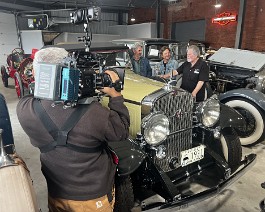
[82,16]
[74,80]
[77,79]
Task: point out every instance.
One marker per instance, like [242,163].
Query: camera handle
[117,85]
[87,38]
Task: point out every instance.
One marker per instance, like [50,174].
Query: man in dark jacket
[140,64]
[77,181]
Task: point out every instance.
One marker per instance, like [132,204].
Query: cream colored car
[174,143]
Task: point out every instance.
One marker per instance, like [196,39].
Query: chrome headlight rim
[153,124]
[204,109]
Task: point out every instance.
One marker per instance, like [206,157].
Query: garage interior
[182,20]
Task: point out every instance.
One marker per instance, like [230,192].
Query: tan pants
[62,205]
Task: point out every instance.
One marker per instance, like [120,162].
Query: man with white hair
[195,74]
[140,64]
[80,178]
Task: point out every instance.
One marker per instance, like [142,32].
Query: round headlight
[210,112]
[155,128]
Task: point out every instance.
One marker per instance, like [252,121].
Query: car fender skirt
[229,117]
[130,156]
[254,96]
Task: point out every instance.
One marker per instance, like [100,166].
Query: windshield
[117,58]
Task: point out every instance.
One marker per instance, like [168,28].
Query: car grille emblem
[177,114]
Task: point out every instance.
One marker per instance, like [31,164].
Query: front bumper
[211,184]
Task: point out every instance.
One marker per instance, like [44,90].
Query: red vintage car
[19,67]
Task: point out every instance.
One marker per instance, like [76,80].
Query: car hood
[137,87]
[249,60]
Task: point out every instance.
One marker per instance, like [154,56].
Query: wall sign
[224,18]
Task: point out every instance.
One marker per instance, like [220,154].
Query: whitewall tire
[256,129]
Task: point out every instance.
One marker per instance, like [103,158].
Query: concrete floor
[244,195]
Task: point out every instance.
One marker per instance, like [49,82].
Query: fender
[254,96]
[130,156]
[229,117]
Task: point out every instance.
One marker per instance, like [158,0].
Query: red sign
[224,18]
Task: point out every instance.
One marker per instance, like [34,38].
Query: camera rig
[85,16]
[78,77]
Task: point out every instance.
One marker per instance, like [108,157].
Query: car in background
[19,67]
[238,76]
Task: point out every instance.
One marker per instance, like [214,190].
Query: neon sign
[224,18]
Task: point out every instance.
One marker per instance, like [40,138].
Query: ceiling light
[217,5]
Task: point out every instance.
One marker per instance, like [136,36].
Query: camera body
[86,15]
[74,79]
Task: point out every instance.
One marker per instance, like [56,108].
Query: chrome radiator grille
[178,108]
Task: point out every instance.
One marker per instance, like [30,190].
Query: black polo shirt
[191,76]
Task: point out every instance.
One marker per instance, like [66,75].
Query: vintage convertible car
[239,77]
[174,142]
[19,67]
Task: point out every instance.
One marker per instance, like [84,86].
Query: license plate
[192,155]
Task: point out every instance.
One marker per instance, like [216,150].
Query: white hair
[49,55]
[195,49]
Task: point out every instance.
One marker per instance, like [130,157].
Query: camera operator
[76,180]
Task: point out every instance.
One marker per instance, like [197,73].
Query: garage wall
[189,30]
[148,15]
[215,35]
[8,36]
[59,21]
[31,39]
[72,37]
[144,30]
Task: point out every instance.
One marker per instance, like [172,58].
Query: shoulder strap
[60,136]
[45,119]
[69,124]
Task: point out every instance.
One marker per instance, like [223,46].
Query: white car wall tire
[258,134]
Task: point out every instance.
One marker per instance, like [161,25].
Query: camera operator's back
[77,166]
